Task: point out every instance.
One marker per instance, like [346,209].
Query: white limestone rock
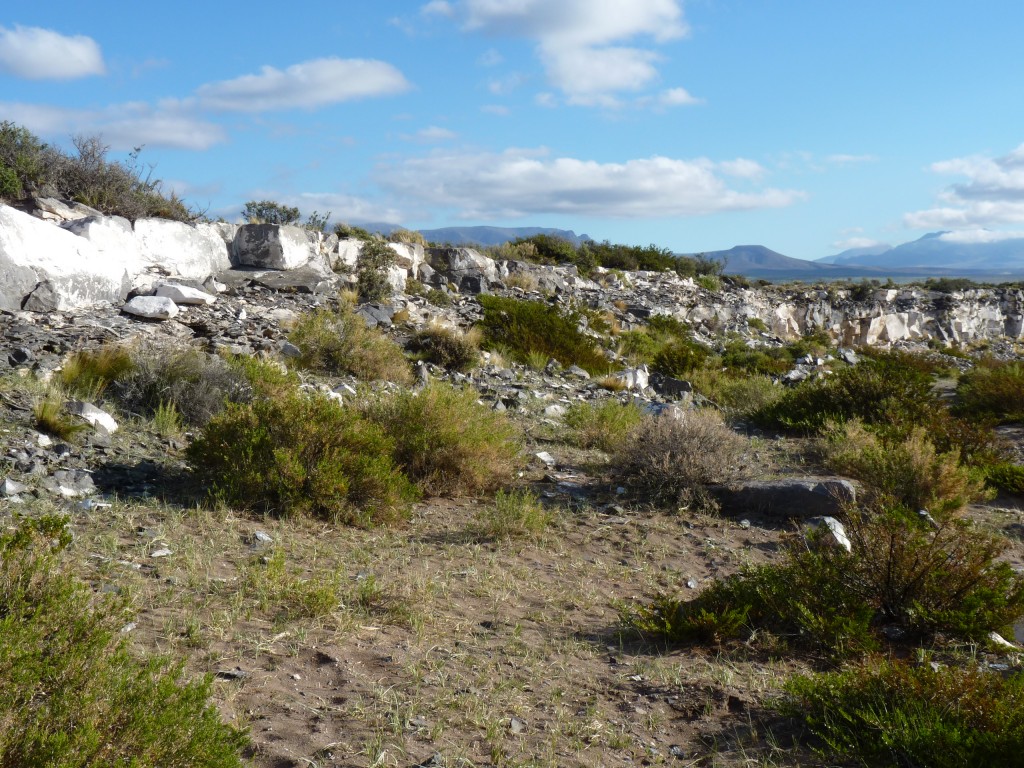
[272,246]
[151,307]
[33,251]
[97,417]
[194,252]
[185,295]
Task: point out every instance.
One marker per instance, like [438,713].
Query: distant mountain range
[937,254]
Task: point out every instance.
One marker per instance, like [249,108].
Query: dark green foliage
[317,222]
[270,212]
[950,284]
[545,249]
[446,347]
[71,693]
[739,357]
[296,454]
[348,231]
[679,357]
[23,160]
[339,342]
[604,424]
[894,714]
[1006,476]
[884,391]
[10,184]
[665,344]
[992,390]
[525,327]
[375,258]
[902,572]
[446,441]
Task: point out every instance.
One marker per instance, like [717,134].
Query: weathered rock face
[191,251]
[71,270]
[271,246]
[469,270]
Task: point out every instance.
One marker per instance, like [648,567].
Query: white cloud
[678,97]
[122,126]
[843,159]
[496,109]
[343,208]
[993,194]
[523,182]
[507,84]
[307,85]
[432,134]
[42,54]
[857,242]
[586,46]
[980,236]
[437,8]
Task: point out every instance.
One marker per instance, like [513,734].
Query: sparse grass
[893,714]
[167,420]
[670,460]
[513,514]
[340,342]
[605,424]
[302,454]
[524,281]
[446,441]
[71,693]
[87,373]
[531,329]
[739,395]
[52,418]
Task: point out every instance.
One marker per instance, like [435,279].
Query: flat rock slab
[151,307]
[795,497]
[184,294]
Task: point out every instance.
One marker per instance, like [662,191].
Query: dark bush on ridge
[525,327]
[992,390]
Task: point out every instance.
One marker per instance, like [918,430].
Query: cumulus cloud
[522,182]
[307,85]
[974,236]
[35,53]
[992,195]
[587,47]
[122,126]
[678,97]
[858,242]
[344,208]
[431,134]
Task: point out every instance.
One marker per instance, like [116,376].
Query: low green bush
[1006,476]
[71,692]
[524,327]
[896,714]
[446,441]
[339,342]
[604,424]
[902,574]
[670,460]
[739,395]
[908,472]
[447,347]
[992,390]
[302,454]
[887,391]
[376,257]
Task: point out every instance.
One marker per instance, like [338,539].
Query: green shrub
[894,714]
[680,357]
[376,257]
[448,347]
[298,454]
[604,424]
[888,392]
[269,212]
[10,184]
[524,327]
[709,283]
[670,460]
[438,298]
[348,231]
[408,236]
[446,441]
[340,342]
[71,693]
[274,587]
[901,574]
[512,515]
[88,373]
[908,472]
[992,390]
[737,356]
[1006,476]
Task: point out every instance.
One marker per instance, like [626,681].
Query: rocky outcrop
[270,246]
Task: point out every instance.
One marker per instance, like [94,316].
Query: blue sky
[803,125]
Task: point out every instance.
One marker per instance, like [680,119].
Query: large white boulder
[409,256]
[272,246]
[34,252]
[191,251]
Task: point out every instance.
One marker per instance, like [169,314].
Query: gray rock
[184,295]
[271,246]
[10,488]
[794,497]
